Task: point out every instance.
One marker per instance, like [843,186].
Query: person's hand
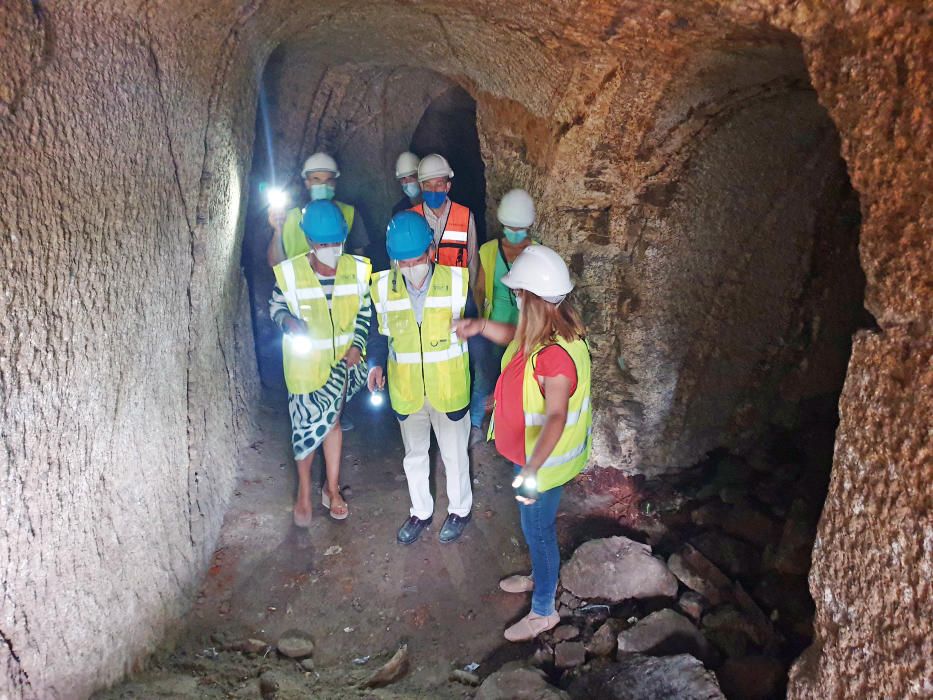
[376,379]
[468,327]
[294,325]
[277,218]
[352,357]
[526,481]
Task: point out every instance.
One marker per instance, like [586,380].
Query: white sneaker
[517,584]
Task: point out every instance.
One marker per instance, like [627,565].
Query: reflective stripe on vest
[569,456]
[293,238]
[330,328]
[452,249]
[426,360]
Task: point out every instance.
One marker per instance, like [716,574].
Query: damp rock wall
[126,371]
[122,342]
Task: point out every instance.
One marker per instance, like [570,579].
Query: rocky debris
[664,633]
[752,678]
[730,631]
[702,576]
[616,569]
[565,633]
[692,604]
[751,525]
[605,639]
[269,684]
[395,668]
[792,554]
[543,656]
[788,597]
[513,682]
[307,665]
[295,644]
[569,654]
[743,521]
[458,675]
[252,646]
[568,599]
[699,574]
[764,629]
[638,677]
[735,557]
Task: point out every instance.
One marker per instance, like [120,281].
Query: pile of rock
[637,626]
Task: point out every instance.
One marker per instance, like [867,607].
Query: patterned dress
[314,415]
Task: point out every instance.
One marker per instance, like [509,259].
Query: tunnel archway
[364,116]
[157,114]
[740,292]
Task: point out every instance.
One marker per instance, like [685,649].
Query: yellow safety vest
[293,238]
[573,449]
[330,328]
[426,360]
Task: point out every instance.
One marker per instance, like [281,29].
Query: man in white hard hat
[320,175]
[496,301]
[406,172]
[453,224]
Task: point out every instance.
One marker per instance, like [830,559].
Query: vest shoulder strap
[458,217]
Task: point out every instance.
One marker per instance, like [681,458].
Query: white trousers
[452,439]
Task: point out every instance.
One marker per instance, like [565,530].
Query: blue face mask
[322,191]
[515,236]
[412,189]
[435,200]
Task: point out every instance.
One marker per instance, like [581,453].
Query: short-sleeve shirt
[552,361]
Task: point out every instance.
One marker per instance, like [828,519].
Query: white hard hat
[541,271]
[516,210]
[406,164]
[320,162]
[433,166]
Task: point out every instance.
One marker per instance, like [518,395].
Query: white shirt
[417,296]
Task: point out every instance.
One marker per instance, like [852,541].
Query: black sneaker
[453,527]
[345,423]
[411,529]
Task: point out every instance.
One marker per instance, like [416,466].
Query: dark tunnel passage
[364,131]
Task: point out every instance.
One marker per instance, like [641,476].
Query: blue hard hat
[323,222]
[408,236]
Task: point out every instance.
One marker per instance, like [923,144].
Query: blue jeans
[486,358]
[539,525]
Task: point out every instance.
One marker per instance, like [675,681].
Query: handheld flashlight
[300,342]
[376,398]
[277,198]
[525,486]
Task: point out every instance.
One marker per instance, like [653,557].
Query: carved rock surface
[684,156]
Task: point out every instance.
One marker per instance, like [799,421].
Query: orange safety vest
[452,248]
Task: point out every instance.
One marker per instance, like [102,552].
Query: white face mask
[329,256]
[417,274]
[518,304]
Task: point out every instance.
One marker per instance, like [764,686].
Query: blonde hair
[542,322]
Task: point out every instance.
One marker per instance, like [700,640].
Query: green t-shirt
[504,308]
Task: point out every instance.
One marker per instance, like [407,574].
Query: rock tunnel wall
[125,139]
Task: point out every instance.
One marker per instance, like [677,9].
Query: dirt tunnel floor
[349,584]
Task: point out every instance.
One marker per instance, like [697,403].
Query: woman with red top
[542,416]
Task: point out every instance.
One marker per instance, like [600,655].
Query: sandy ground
[348,584]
